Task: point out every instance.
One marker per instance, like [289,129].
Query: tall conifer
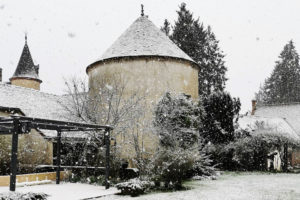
[202,46]
[283,86]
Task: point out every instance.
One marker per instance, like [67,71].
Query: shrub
[23,196]
[32,150]
[174,165]
[248,152]
[221,156]
[177,120]
[133,187]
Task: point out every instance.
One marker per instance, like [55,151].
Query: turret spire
[25,38]
[27,73]
[142,10]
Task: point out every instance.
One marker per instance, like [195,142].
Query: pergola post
[58,145]
[107,155]
[285,157]
[14,155]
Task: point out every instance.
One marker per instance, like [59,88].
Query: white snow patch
[66,191]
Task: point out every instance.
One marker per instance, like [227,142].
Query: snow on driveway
[66,191]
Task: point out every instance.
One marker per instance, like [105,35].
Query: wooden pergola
[15,125]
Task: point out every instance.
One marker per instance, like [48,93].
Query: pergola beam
[15,125]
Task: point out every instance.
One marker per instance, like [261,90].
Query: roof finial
[142,10]
[25,38]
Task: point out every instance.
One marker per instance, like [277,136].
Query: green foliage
[133,187]
[166,28]
[177,120]
[283,86]
[173,165]
[23,196]
[201,45]
[32,151]
[221,110]
[250,151]
[221,156]
[5,146]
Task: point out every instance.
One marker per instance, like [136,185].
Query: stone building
[150,63]
[26,74]
[278,119]
[143,56]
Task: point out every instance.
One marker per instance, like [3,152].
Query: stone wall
[151,77]
[27,83]
[33,148]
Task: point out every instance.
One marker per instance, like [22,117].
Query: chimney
[253,107]
[0,74]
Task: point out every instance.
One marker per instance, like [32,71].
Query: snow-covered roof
[289,112]
[34,103]
[276,125]
[143,38]
[26,67]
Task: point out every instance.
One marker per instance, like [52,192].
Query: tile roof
[26,67]
[289,112]
[275,125]
[283,117]
[34,103]
[143,38]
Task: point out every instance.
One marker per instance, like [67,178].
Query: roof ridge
[30,89]
[279,104]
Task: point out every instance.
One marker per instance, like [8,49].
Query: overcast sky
[64,36]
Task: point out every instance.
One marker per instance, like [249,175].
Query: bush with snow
[23,196]
[174,165]
[250,150]
[177,122]
[32,150]
[134,187]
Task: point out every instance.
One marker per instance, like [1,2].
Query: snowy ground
[233,186]
[229,186]
[66,191]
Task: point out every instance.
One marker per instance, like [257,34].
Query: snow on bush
[23,196]
[177,122]
[134,187]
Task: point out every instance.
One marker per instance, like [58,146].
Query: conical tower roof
[26,67]
[143,38]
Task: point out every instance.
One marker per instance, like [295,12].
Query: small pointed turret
[142,10]
[26,74]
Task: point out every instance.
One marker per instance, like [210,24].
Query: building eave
[127,58]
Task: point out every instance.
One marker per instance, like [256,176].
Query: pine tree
[166,28]
[283,86]
[221,110]
[201,45]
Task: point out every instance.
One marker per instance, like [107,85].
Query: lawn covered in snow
[65,191]
[233,186]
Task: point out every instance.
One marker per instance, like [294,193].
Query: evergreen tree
[201,45]
[283,86]
[177,120]
[166,28]
[221,110]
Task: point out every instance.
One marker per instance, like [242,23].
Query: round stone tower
[151,64]
[26,74]
[149,60]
